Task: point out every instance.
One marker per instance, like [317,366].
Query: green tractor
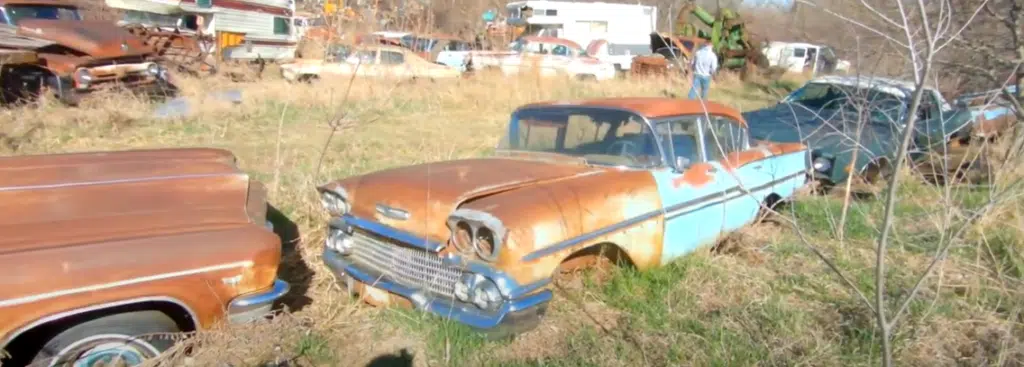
[727,35]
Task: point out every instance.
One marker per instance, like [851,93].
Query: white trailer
[625,27]
[243,30]
[799,57]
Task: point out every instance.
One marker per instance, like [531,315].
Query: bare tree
[920,30]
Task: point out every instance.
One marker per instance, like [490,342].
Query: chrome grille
[407,266]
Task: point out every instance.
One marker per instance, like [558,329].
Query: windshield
[881,106]
[338,52]
[17,12]
[598,136]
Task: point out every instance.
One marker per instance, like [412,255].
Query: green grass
[776,304]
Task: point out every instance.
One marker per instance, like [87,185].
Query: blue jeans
[703,82]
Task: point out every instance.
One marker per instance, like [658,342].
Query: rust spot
[697,175]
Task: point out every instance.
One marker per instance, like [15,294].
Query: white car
[552,56]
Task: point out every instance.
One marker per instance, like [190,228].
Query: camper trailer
[249,30]
[626,28]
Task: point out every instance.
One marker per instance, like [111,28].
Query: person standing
[705,64]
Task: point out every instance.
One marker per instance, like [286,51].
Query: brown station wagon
[100,251]
[639,180]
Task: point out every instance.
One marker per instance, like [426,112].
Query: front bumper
[254,306]
[519,302]
[508,314]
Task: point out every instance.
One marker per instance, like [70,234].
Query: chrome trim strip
[118,181]
[96,287]
[262,297]
[669,213]
[392,233]
[450,309]
[58,316]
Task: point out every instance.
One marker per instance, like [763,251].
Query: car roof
[897,87]
[651,107]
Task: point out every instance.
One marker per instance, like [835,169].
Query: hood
[97,39]
[430,192]
[824,130]
[131,193]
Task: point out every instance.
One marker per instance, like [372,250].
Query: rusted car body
[84,56]
[371,61]
[669,53]
[643,180]
[991,113]
[101,248]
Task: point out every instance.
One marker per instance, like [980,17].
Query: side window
[281,26]
[391,58]
[680,140]
[724,136]
[799,52]
[560,50]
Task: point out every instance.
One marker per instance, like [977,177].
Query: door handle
[712,169]
[757,167]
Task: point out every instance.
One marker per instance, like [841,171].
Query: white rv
[627,28]
[801,57]
[265,27]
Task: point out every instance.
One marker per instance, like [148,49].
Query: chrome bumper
[463,313]
[254,306]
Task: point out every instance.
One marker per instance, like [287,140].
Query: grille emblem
[393,213]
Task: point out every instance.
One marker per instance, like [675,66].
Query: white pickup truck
[552,56]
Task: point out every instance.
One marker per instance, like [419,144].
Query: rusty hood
[430,192]
[64,199]
[95,38]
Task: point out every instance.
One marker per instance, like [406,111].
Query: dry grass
[762,300]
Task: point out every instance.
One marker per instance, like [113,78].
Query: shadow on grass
[402,359]
[293,269]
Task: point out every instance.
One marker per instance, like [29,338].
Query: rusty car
[106,253]
[991,113]
[640,180]
[81,56]
[372,61]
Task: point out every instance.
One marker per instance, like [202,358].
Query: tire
[586,78]
[133,335]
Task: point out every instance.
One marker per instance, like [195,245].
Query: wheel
[130,338]
[586,78]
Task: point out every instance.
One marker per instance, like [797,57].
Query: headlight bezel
[479,291]
[477,223]
[821,164]
[335,201]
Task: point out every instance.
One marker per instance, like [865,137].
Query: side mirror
[682,163]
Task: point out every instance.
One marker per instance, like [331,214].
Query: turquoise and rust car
[824,114]
[637,180]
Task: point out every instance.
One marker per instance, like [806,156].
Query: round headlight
[83,77]
[462,237]
[464,286]
[821,164]
[486,295]
[485,244]
[333,203]
[153,69]
[338,241]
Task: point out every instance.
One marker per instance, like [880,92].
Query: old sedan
[374,61]
[642,180]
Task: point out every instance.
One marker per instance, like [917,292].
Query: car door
[691,190]
[747,173]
